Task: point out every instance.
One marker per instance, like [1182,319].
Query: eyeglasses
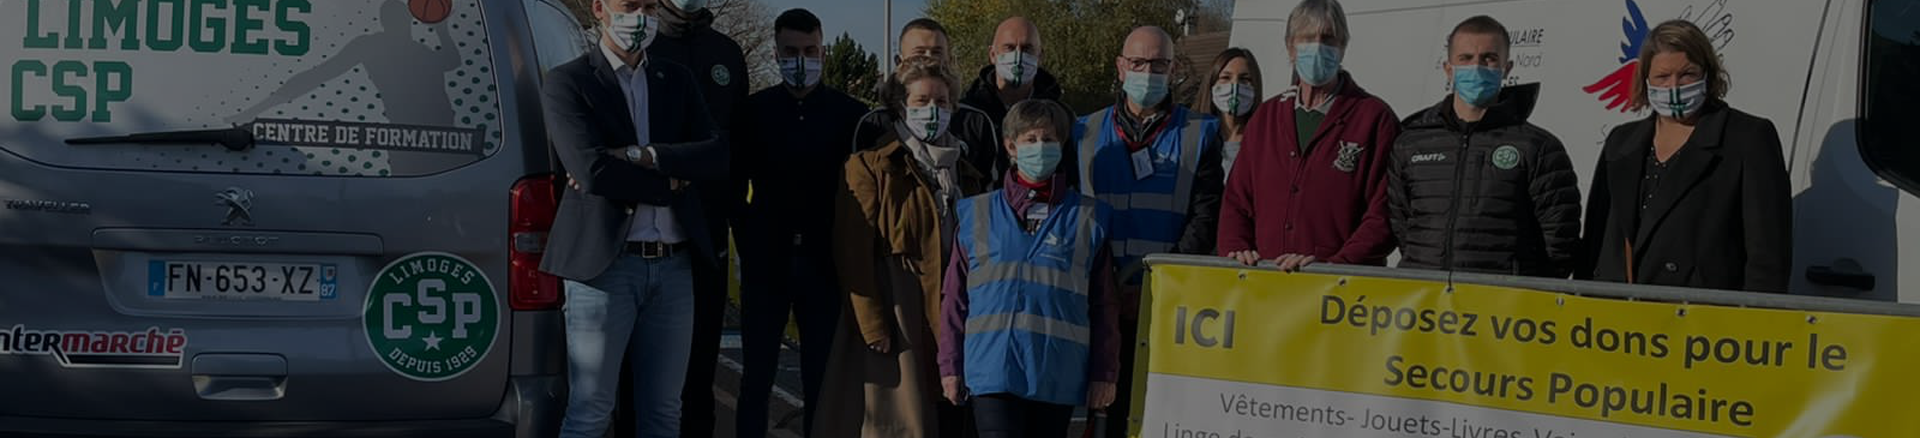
[1139,64]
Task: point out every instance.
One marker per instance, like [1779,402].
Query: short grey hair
[1034,114]
[1318,15]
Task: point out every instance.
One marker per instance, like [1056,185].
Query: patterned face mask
[1677,102]
[1017,68]
[800,72]
[928,123]
[632,31]
[1233,98]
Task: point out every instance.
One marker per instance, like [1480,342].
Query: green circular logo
[431,316]
[721,75]
[1506,157]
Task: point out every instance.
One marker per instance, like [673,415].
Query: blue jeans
[645,303]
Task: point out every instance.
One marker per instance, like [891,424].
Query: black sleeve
[585,158]
[705,159]
[1203,210]
[869,131]
[983,142]
[1598,204]
[1399,207]
[740,141]
[1555,190]
[747,149]
[1766,202]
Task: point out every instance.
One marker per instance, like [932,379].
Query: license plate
[193,280]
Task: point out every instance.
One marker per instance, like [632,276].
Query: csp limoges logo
[1616,88]
[431,316]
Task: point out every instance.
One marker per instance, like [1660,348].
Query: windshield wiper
[234,139]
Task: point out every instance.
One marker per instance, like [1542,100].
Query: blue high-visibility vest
[1027,328]
[1149,214]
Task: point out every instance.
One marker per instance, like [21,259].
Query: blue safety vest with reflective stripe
[1149,214]
[1028,327]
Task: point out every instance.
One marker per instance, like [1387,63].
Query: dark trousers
[1120,411]
[709,313]
[779,277]
[1005,416]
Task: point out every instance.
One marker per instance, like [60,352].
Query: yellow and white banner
[1270,354]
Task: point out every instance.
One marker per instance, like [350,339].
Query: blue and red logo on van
[1714,18]
[151,348]
[1616,88]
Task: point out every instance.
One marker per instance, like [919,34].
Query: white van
[1831,74]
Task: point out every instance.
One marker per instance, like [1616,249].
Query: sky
[866,20]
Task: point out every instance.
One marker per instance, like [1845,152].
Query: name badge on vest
[1143,163]
[1036,214]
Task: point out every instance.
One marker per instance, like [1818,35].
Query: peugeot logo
[239,203]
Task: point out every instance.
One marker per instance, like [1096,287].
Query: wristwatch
[634,154]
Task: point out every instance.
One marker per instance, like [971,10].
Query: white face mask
[1233,98]
[690,5]
[631,32]
[800,72]
[1677,102]
[928,123]
[1017,68]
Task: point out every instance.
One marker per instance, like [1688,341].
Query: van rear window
[1888,141]
[324,87]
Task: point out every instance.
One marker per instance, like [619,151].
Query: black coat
[586,114]
[1721,217]
[984,95]
[793,156]
[1497,196]
[719,67]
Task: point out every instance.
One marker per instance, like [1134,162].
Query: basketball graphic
[430,11]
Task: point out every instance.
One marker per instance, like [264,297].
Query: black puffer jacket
[1496,196]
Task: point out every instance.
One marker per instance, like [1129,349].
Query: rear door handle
[240,377]
[1832,276]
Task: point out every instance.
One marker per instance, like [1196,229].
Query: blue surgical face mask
[1476,85]
[1037,160]
[1317,64]
[1145,89]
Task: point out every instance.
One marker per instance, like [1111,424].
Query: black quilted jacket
[1496,196]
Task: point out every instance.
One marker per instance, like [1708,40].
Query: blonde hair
[916,69]
[1680,36]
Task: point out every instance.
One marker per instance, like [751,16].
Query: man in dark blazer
[635,138]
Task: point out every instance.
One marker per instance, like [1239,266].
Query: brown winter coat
[889,250]
[889,210]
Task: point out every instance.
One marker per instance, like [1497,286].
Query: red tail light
[534,203]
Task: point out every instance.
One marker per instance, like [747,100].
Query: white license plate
[194,280]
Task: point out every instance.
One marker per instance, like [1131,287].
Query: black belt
[654,250]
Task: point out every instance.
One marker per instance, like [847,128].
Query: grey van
[278,218]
